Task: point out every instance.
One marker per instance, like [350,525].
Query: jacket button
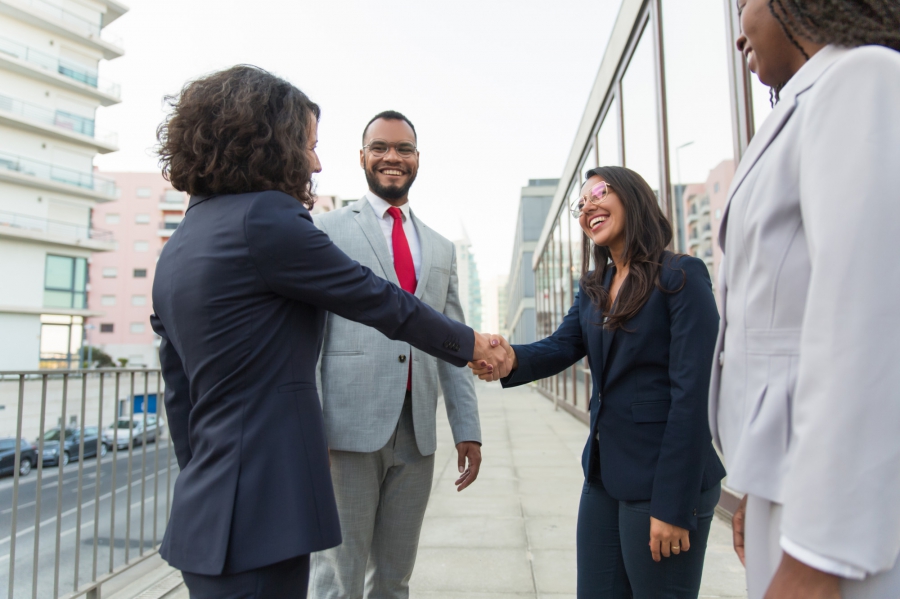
[402,358]
[695,512]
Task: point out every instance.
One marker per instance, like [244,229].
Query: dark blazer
[650,389]
[239,297]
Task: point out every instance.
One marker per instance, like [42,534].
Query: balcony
[56,123]
[43,175]
[54,18]
[67,73]
[166,229]
[34,228]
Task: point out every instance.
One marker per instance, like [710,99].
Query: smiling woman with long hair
[646,319]
[804,399]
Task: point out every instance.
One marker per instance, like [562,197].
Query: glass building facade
[674,101]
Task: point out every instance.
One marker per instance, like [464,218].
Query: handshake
[493,358]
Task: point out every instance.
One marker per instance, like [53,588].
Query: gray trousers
[763,554]
[381,498]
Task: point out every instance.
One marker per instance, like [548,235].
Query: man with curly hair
[239,303]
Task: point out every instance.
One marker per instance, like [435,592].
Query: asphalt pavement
[117,512]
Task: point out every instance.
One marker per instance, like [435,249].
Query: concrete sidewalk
[511,535]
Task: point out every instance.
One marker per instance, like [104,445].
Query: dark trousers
[285,580]
[614,559]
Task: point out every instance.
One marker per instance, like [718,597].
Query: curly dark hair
[647,234]
[236,131]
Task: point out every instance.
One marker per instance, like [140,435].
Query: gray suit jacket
[362,374]
[805,391]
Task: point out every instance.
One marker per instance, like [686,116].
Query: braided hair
[848,23]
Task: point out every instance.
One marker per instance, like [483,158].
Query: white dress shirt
[380,207]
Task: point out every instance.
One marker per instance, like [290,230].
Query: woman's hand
[667,539]
[485,371]
[737,529]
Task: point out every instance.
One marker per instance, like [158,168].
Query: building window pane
[141,246]
[65,281]
[110,273]
[140,273]
[107,327]
[173,196]
[112,219]
[608,137]
[762,105]
[137,327]
[640,120]
[144,192]
[138,300]
[142,219]
[699,119]
[108,300]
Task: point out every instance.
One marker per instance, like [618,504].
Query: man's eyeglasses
[380,148]
[596,197]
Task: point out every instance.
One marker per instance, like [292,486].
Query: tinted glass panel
[640,113]
[58,274]
[608,137]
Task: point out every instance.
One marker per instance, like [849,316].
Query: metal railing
[59,174]
[57,118]
[81,25]
[73,526]
[67,68]
[52,227]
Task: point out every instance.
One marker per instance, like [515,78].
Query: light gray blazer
[361,378]
[805,390]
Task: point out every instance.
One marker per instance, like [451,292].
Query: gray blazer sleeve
[458,384]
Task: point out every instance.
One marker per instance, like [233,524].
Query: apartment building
[50,90]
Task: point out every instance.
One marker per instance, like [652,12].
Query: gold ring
[678,547]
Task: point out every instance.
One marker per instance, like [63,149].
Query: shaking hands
[494,358]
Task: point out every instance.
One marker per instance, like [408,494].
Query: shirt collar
[380,206]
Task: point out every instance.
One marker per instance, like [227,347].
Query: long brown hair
[237,131]
[647,233]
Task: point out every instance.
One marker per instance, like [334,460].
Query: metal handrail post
[15,512]
[99,472]
[113,490]
[80,483]
[146,406]
[39,489]
[130,461]
[59,486]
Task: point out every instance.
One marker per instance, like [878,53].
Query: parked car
[8,457]
[154,430]
[92,445]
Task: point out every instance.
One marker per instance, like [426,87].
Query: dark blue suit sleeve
[178,394]
[694,322]
[551,355]
[299,261]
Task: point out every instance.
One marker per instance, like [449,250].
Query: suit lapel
[607,335]
[425,244]
[368,222]
[805,78]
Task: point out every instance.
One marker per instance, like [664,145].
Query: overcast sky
[496,89]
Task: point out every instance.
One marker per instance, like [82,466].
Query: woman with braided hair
[805,392]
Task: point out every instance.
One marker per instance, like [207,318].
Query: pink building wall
[138,220]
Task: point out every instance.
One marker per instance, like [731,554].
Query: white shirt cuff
[825,564]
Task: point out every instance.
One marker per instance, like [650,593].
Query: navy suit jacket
[650,391]
[239,297]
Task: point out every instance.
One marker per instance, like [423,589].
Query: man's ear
[362,159]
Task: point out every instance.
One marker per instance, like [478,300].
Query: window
[137,327]
[639,109]
[110,272]
[138,300]
[108,300]
[140,273]
[142,219]
[112,219]
[141,246]
[608,137]
[143,192]
[60,340]
[107,327]
[65,282]
[173,196]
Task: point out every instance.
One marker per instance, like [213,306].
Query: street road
[121,524]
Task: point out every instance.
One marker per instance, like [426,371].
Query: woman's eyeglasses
[596,197]
[380,148]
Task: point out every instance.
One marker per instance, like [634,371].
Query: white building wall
[20,340]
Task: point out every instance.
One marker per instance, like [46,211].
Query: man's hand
[796,580]
[467,476]
[485,371]
[667,539]
[737,529]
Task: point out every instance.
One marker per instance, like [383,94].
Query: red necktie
[403,265]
